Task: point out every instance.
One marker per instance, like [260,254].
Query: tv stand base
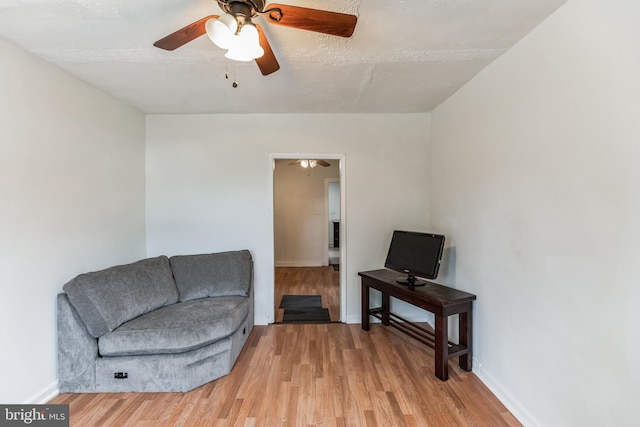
[410,284]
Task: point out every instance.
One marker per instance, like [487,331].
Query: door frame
[343,226]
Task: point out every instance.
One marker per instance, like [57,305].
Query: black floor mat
[299,302]
[309,315]
[304,309]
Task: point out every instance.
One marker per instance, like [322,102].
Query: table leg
[365,307]
[386,303]
[442,347]
[465,333]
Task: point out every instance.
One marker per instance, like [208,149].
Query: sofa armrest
[77,350]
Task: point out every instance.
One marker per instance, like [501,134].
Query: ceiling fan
[310,163]
[246,41]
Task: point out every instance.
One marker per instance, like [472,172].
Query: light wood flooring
[322,281]
[329,374]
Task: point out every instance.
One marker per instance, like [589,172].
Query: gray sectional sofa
[157,325]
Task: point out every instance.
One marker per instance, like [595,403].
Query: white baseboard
[308,263]
[353,319]
[44,395]
[513,405]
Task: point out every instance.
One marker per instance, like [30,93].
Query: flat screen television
[416,254]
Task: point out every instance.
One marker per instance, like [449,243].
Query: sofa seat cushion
[177,328]
[106,299]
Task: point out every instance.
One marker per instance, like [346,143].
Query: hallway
[324,281]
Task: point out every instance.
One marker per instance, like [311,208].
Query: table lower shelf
[419,333]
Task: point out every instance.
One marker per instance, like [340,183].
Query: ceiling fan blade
[267,63]
[294,163]
[184,35]
[320,21]
[323,163]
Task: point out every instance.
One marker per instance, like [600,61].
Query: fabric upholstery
[165,372]
[178,372]
[163,345]
[212,275]
[106,299]
[77,350]
[177,328]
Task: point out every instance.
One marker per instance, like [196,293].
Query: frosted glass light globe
[246,45]
[221,30]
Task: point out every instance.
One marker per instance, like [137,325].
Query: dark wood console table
[440,300]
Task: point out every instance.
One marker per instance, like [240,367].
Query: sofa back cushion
[212,275]
[106,299]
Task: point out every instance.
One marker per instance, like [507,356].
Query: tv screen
[416,254]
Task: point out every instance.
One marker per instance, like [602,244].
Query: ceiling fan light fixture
[304,163]
[245,46]
[313,163]
[225,31]
[221,30]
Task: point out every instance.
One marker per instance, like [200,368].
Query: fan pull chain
[235,83]
[226,72]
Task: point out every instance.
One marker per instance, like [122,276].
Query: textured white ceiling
[404,56]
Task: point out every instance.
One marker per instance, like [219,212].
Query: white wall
[208,184]
[72,197]
[534,173]
[300,213]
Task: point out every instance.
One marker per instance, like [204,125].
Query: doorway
[308,234]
